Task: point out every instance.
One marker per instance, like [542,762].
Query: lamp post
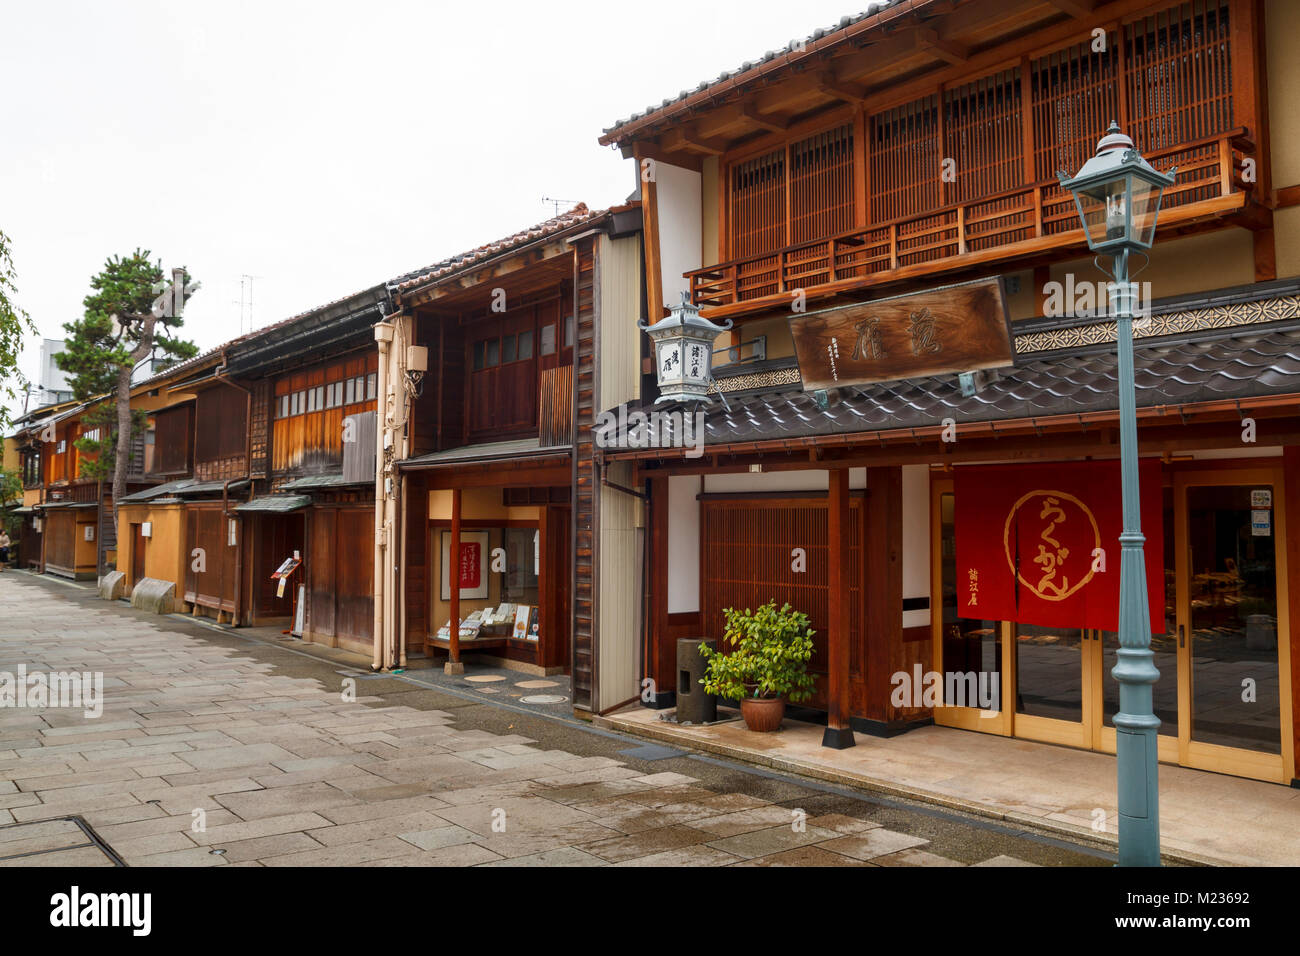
[1117,194]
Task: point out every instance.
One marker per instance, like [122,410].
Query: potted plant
[763,663]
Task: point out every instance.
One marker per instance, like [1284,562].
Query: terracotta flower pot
[763,714]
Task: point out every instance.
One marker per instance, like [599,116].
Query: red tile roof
[576,216]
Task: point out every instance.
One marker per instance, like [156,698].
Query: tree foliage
[132,313]
[768,657]
[15,324]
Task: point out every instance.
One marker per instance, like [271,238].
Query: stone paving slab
[1204,817]
[208,755]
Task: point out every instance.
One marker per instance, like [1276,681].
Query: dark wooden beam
[949,50]
[690,138]
[773,124]
[1079,9]
[829,84]
[453,578]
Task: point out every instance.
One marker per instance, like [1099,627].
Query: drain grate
[61,841]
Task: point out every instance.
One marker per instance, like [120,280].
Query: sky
[321,148]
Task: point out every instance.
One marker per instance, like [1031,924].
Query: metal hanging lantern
[683,351]
[1117,194]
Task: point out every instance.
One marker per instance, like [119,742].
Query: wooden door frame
[964,718]
[1276,768]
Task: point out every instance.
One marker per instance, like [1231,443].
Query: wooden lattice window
[905,160]
[1178,73]
[821,185]
[1074,100]
[757,215]
[983,136]
[798,193]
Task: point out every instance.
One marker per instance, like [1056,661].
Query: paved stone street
[216,750]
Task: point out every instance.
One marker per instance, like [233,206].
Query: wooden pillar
[654,280]
[1291,505]
[453,577]
[838,733]
[1265,249]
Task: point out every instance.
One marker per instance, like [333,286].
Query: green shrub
[768,655]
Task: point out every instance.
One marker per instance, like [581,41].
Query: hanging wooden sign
[956,328]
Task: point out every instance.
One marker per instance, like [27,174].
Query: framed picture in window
[471,566]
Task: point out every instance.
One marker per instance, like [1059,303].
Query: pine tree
[131,315]
[14,324]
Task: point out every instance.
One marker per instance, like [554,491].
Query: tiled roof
[159,491]
[488,451]
[323,481]
[576,216]
[1249,362]
[792,52]
[265,330]
[183,487]
[275,504]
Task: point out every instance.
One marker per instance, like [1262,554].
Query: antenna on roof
[249,300]
[557,203]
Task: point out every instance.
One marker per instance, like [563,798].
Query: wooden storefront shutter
[747,560]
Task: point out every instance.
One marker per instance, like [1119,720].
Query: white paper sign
[1261,523]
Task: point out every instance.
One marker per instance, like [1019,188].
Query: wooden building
[263,458]
[311,384]
[915,147]
[67,514]
[487,452]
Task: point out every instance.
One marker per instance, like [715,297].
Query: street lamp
[683,347]
[1117,193]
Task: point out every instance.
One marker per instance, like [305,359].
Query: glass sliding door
[1054,683]
[969,652]
[1164,645]
[1235,692]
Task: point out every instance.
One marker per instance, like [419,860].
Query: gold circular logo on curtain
[1062,544]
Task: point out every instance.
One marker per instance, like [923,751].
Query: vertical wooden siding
[340,601]
[555,406]
[313,441]
[584,511]
[214,585]
[171,442]
[747,560]
[221,424]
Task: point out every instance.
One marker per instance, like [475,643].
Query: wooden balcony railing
[1009,225]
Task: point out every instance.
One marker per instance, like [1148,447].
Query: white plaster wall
[677,196]
[683,544]
[621,521]
[916,540]
[772,481]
